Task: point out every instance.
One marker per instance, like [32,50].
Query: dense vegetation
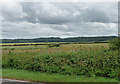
[115,44]
[73,59]
[57,39]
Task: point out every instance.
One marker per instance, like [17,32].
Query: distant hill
[57,39]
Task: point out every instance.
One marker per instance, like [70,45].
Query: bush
[115,44]
[53,45]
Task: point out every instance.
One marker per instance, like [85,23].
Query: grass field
[44,77]
[80,61]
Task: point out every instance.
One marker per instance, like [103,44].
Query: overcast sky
[59,19]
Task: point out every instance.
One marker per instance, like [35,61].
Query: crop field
[88,60]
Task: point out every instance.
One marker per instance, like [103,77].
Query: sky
[58,19]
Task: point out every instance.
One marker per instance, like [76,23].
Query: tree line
[57,39]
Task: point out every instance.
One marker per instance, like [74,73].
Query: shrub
[53,45]
[115,44]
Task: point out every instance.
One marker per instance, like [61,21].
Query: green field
[45,77]
[91,61]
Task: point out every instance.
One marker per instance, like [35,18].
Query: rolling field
[88,60]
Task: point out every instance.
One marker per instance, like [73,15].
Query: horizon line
[59,37]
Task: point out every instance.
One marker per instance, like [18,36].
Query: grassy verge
[44,77]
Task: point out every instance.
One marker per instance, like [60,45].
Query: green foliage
[54,45]
[115,44]
[89,63]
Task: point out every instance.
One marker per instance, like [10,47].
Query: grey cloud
[45,13]
[89,28]
[98,12]
[30,9]
[94,15]
[30,30]
[58,13]
[12,12]
[31,20]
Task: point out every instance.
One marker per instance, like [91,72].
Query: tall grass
[77,60]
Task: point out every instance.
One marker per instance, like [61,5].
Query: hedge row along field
[46,43]
[90,60]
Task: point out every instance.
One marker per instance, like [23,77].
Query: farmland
[88,60]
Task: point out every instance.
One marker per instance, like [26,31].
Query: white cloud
[12,11]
